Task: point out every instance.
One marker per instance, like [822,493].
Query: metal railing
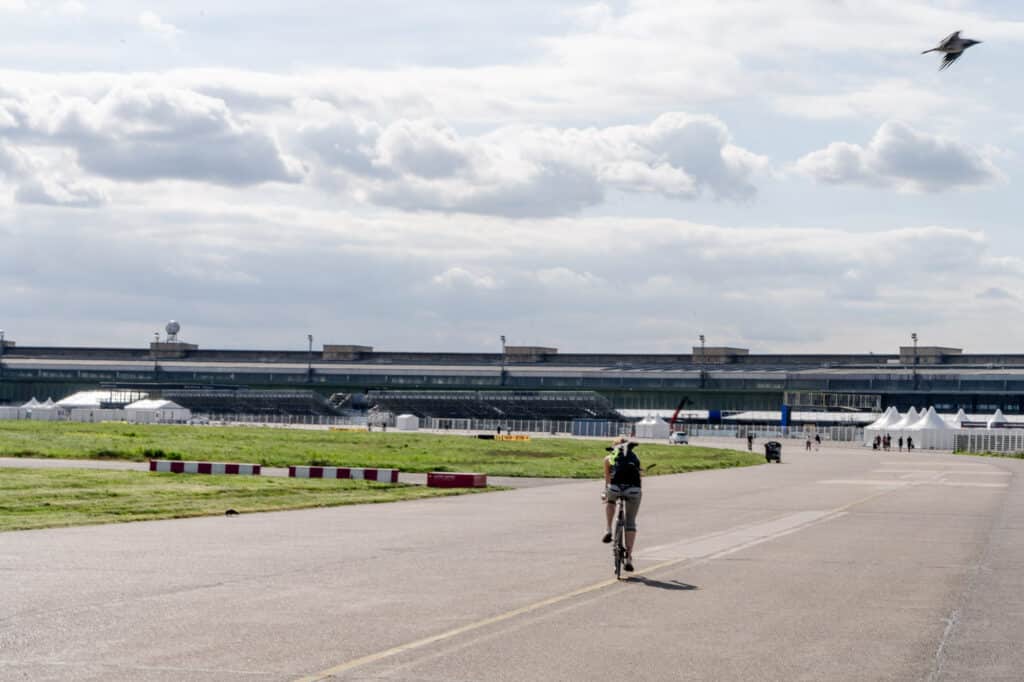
[1002,441]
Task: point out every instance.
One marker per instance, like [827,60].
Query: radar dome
[172,328]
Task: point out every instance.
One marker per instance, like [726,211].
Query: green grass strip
[278,447]
[47,498]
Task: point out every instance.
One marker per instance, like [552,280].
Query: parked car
[679,438]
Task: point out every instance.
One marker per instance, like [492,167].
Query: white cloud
[145,134]
[39,177]
[556,281]
[530,171]
[905,159]
[152,23]
[460,278]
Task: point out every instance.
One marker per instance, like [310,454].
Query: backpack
[625,468]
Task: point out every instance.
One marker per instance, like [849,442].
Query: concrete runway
[843,564]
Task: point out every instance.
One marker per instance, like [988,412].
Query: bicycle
[619,532]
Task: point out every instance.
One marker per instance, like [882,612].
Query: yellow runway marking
[476,625]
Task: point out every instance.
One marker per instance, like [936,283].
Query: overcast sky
[624,176]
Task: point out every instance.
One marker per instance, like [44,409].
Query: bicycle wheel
[618,542]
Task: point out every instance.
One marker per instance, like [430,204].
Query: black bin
[773,451]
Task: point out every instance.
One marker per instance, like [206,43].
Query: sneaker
[629,564]
[607,537]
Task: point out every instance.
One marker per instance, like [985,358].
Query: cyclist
[622,479]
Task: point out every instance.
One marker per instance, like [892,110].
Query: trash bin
[773,451]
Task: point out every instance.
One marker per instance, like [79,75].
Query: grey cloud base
[900,157]
[519,172]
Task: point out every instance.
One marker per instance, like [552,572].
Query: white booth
[156,412]
[653,427]
[407,422]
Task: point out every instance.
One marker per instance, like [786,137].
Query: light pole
[913,337]
[702,376]
[309,359]
[501,379]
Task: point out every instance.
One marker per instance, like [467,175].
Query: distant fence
[1006,441]
[549,426]
[842,434]
[310,419]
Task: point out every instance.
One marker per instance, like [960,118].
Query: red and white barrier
[446,479]
[357,473]
[174,467]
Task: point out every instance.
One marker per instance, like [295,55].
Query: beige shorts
[631,494]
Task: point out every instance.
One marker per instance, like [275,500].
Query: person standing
[750,441]
[899,444]
[817,441]
[910,443]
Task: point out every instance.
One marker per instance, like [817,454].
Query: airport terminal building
[717,379]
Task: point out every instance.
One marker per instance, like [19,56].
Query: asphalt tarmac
[843,564]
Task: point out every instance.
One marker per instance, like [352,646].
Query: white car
[679,438]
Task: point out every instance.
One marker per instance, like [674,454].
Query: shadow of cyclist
[671,585]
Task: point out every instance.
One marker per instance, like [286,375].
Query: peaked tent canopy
[997,418]
[909,418]
[887,418]
[930,420]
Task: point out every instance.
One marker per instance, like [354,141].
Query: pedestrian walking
[817,441]
[899,443]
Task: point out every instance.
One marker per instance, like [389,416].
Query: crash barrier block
[357,473]
[514,437]
[174,467]
[347,428]
[485,436]
[446,479]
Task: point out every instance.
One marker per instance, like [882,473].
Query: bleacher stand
[248,401]
[501,405]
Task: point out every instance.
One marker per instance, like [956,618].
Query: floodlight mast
[703,375]
[913,337]
[501,377]
[309,359]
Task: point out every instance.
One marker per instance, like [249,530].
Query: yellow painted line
[419,643]
[544,603]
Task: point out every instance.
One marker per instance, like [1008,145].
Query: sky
[621,177]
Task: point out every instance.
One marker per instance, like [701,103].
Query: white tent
[958,419]
[652,427]
[888,417]
[931,432]
[909,418]
[32,403]
[47,411]
[407,422]
[997,418]
[83,400]
[156,412]
[875,428]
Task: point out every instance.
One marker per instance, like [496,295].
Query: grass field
[411,452]
[46,498]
